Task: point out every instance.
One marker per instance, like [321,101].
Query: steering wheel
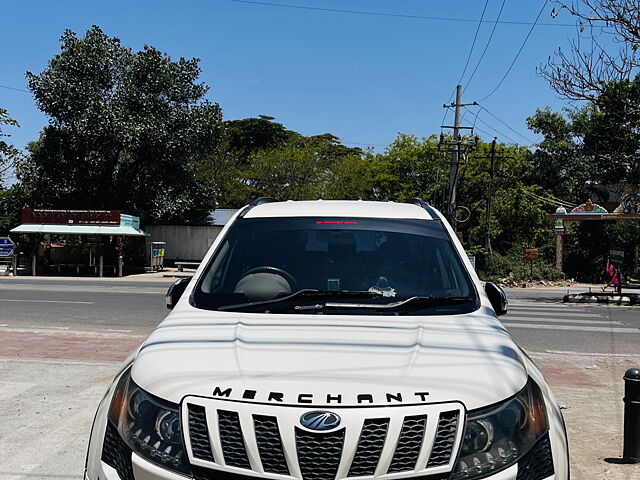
[275,270]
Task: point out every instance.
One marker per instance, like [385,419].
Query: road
[61,341]
[537,319]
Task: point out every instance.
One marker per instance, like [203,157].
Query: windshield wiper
[308,293]
[403,305]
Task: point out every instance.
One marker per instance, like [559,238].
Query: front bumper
[120,463]
[144,470]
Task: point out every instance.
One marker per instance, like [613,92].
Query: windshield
[344,265]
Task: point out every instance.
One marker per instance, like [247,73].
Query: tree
[559,163]
[250,135]
[123,130]
[8,153]
[606,53]
[409,167]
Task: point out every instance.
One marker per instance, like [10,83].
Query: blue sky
[363,78]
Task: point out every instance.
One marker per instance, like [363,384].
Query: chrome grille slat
[445,439]
[232,440]
[409,444]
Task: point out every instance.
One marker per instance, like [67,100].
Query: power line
[506,124]
[495,24]
[14,88]
[502,134]
[550,199]
[396,15]
[473,44]
[363,143]
[517,54]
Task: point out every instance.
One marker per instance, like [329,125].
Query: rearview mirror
[176,289]
[497,297]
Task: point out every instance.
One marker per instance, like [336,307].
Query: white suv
[324,340]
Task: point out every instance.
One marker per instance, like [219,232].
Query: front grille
[233,448]
[116,453]
[270,444]
[370,444]
[409,444]
[278,445]
[538,463]
[199,433]
[445,438]
[319,453]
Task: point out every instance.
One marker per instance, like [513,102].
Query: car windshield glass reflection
[279,264]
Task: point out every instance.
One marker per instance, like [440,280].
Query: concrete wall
[186,243]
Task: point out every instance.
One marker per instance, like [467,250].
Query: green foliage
[513,266]
[8,153]
[409,167]
[9,210]
[123,129]
[250,135]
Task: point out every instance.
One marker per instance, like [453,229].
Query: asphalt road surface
[537,319]
[62,339]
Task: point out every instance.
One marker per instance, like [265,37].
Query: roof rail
[255,203]
[421,203]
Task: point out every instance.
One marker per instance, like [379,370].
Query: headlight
[496,437]
[149,425]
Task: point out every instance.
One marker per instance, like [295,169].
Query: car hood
[331,360]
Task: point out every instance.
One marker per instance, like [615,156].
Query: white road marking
[115,330]
[586,354]
[42,301]
[575,328]
[79,333]
[559,320]
[524,313]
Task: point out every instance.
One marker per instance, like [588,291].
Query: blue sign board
[6,246]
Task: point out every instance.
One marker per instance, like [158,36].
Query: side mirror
[497,297]
[176,289]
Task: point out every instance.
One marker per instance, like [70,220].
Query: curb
[608,299]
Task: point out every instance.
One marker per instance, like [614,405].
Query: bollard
[631,449]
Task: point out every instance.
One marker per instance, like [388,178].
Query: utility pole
[492,173]
[455,157]
[457,148]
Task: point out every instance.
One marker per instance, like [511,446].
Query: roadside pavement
[51,384]
[590,389]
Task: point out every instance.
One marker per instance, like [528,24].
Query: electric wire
[396,15]
[499,132]
[506,124]
[550,199]
[473,44]
[14,88]
[495,24]
[517,54]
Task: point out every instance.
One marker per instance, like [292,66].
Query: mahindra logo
[320,420]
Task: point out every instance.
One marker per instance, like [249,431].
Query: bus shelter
[64,233]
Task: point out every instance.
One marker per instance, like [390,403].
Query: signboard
[616,255]
[531,254]
[6,247]
[472,259]
[130,221]
[70,217]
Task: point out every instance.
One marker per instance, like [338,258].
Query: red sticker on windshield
[335,222]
